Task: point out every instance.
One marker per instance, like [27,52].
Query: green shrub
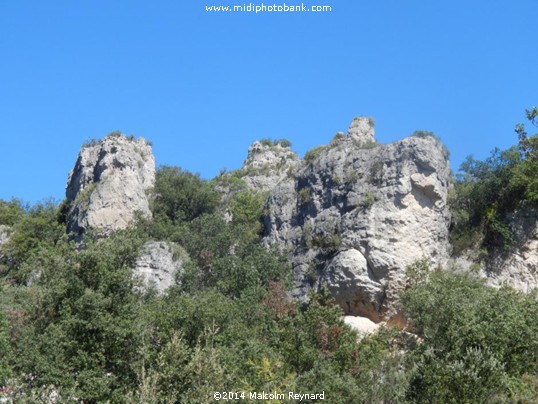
[368,200]
[371,144]
[352,177]
[336,180]
[328,243]
[304,196]
[181,196]
[284,142]
[276,142]
[478,341]
[314,153]
[11,212]
[424,133]
[90,142]
[246,209]
[337,139]
[83,198]
[376,172]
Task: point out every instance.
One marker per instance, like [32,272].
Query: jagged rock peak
[361,130]
[356,214]
[268,153]
[108,184]
[267,163]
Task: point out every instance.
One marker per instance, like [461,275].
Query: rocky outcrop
[158,264]
[4,234]
[108,184]
[361,131]
[517,267]
[267,164]
[357,213]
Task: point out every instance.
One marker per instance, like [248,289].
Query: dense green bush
[11,212]
[276,142]
[487,191]
[37,230]
[181,196]
[74,322]
[479,343]
[314,153]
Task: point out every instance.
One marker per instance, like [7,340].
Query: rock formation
[267,164]
[4,233]
[108,184]
[361,131]
[362,325]
[357,213]
[517,267]
[158,264]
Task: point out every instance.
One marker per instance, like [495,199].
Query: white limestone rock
[353,284]
[4,233]
[108,184]
[361,130]
[386,203]
[362,325]
[159,263]
[267,164]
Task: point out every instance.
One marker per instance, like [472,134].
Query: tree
[479,343]
[181,196]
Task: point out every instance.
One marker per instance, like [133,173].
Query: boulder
[362,325]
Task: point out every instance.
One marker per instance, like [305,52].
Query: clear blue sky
[202,86]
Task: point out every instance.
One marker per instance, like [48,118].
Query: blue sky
[202,86]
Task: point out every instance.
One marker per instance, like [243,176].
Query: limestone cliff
[108,184]
[356,213]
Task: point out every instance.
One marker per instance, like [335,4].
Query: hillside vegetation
[75,325]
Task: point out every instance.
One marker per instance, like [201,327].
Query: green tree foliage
[479,343]
[525,175]
[486,191]
[75,323]
[11,212]
[181,196]
[246,210]
[5,350]
[82,331]
[33,233]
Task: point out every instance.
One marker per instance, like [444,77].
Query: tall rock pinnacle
[108,184]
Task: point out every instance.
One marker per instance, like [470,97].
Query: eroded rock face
[108,184]
[354,285]
[158,264]
[357,214]
[267,164]
[517,267]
